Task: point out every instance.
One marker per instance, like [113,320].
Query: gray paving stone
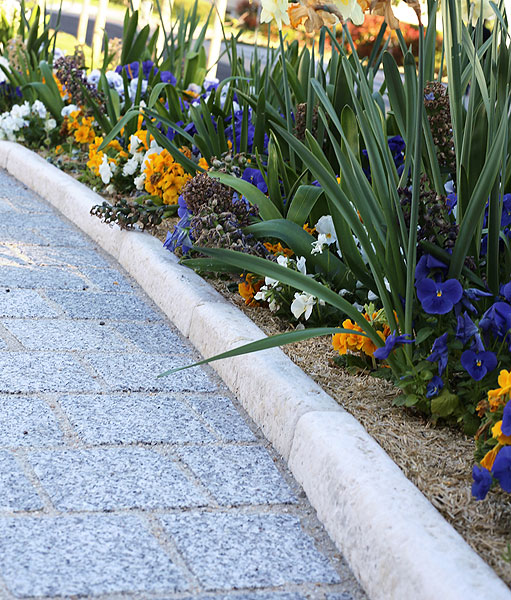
[27,421]
[139,373]
[14,233]
[84,555]
[9,256]
[22,372]
[135,418]
[16,492]
[154,338]
[40,277]
[3,344]
[341,596]
[55,237]
[221,414]
[252,596]
[238,474]
[59,334]
[113,478]
[241,551]
[107,280]
[62,257]
[124,307]
[6,208]
[24,303]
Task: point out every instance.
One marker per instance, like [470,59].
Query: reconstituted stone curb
[397,544]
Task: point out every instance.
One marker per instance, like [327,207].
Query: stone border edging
[396,542]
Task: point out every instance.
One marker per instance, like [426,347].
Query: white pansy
[115,81]
[131,166]
[301,265]
[38,108]
[134,144]
[94,77]
[139,181]
[274,9]
[67,110]
[282,260]
[134,85]
[20,111]
[371,296]
[105,170]
[194,88]
[50,124]
[303,305]
[325,227]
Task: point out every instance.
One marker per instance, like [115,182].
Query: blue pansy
[505,291]
[168,77]
[506,419]
[478,364]
[255,177]
[391,341]
[439,353]
[438,298]
[506,211]
[466,328]
[182,211]
[434,386]
[426,265]
[497,320]
[501,469]
[482,482]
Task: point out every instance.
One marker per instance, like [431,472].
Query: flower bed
[388,230]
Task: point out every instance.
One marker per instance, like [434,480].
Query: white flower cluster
[303,302]
[13,122]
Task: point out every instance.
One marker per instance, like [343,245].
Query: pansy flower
[390,343]
[466,328]
[426,265]
[502,468]
[439,353]
[255,177]
[434,386]
[438,298]
[482,482]
[478,364]
[497,320]
[506,419]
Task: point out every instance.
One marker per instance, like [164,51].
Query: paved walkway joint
[117,484]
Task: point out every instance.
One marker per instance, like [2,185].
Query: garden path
[116,484]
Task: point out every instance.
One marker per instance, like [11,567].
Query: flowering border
[395,541]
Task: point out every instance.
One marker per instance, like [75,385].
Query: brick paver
[117,484]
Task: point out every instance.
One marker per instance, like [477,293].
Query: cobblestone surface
[114,483]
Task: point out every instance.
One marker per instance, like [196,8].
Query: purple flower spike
[439,353]
[434,386]
[477,364]
[506,419]
[501,469]
[482,482]
[438,298]
[393,339]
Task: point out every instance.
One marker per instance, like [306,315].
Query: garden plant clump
[376,214]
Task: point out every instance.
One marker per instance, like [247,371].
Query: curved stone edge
[396,542]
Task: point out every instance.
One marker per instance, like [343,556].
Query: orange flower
[489,458]
[308,229]
[497,433]
[278,249]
